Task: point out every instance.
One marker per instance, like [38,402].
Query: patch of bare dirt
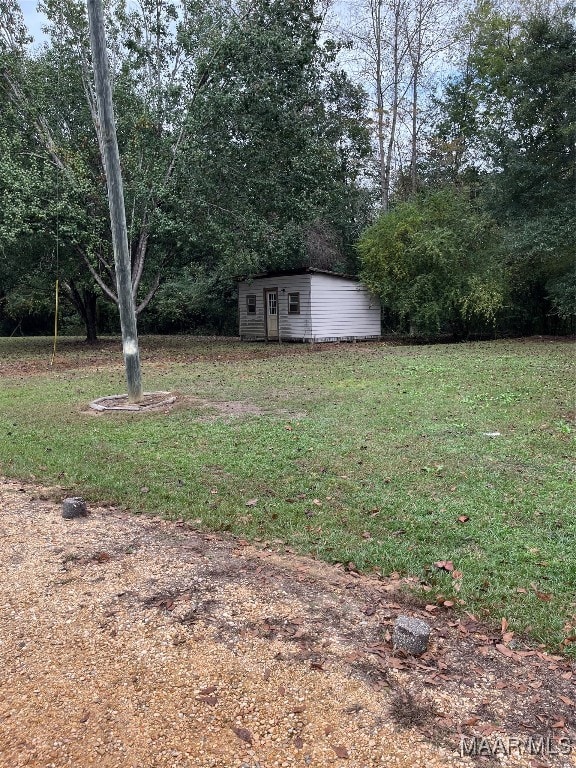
[157,351]
[137,642]
[211,410]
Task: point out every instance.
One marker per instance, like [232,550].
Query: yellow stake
[55,327]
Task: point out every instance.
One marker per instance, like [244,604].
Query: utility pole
[111,158]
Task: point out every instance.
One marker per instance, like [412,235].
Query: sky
[33,19]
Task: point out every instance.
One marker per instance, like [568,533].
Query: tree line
[428,148]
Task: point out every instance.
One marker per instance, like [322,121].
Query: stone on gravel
[410,635]
[74,507]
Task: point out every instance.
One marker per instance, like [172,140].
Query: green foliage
[430,262]
[242,143]
[197,300]
[508,127]
[562,294]
[277,143]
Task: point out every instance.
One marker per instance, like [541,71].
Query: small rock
[410,635]
[74,507]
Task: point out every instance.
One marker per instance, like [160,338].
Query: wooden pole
[111,158]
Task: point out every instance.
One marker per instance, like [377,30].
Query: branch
[111,295]
[149,296]
[140,255]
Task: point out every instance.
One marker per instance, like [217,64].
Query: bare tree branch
[149,295]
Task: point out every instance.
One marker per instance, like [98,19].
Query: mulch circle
[150,401]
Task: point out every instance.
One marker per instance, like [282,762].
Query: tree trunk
[86,304]
[414,152]
[91,316]
[398,55]
[376,10]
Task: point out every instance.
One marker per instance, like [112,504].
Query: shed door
[271,301]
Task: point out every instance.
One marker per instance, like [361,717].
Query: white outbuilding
[307,305]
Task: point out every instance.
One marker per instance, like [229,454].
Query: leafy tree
[430,262]
[243,145]
[510,126]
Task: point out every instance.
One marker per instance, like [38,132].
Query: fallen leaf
[207,691]
[463,519]
[101,557]
[471,721]
[501,685]
[448,604]
[507,637]
[431,608]
[559,724]
[566,676]
[341,752]
[317,502]
[546,596]
[444,565]
[251,502]
[505,651]
[566,700]
[457,574]
[144,489]
[522,591]
[243,733]
[298,742]
[504,625]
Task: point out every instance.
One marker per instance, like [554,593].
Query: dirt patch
[210,410]
[130,641]
[155,351]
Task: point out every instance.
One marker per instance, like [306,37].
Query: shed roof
[300,271]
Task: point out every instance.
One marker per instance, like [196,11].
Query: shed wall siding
[290,326]
[343,308]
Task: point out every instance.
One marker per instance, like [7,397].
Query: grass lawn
[388,457]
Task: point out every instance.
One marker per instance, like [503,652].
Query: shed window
[293,303]
[251,305]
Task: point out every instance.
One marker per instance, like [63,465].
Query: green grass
[366,453]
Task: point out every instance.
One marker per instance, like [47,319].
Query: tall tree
[400,44]
[431,261]
[512,116]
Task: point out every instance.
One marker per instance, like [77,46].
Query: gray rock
[410,635]
[74,507]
